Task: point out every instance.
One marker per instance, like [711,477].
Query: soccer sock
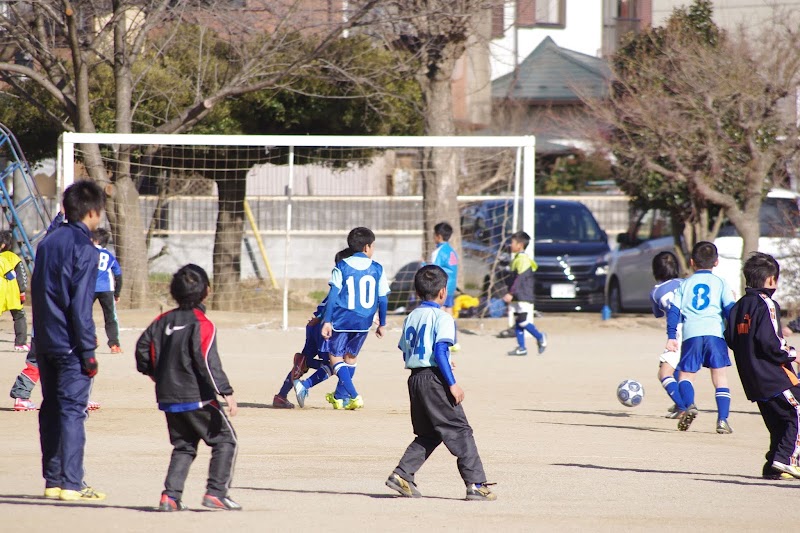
[723,397]
[520,335]
[340,393]
[342,371]
[671,386]
[530,328]
[287,385]
[686,390]
[322,373]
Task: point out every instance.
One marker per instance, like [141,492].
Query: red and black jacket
[179,351]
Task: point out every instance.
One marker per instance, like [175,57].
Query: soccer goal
[265,215]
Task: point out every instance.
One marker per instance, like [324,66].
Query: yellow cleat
[354,403]
[335,402]
[87,494]
[52,493]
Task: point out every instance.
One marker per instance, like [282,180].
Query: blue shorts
[449,301]
[343,343]
[706,350]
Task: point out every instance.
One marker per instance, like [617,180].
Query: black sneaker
[480,492]
[222,503]
[168,504]
[405,488]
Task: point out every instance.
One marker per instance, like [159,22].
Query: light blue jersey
[107,268]
[422,329]
[360,282]
[445,256]
[703,303]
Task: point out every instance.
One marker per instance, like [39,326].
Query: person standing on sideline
[445,256]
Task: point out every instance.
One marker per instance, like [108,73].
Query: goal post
[304,194]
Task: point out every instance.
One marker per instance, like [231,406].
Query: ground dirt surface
[565,455]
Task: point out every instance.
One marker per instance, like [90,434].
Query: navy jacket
[762,356]
[62,291]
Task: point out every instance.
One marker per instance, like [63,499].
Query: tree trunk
[128,231]
[228,242]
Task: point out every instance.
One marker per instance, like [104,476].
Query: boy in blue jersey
[446,257]
[358,289]
[436,412]
[665,271]
[108,286]
[764,362]
[310,356]
[702,304]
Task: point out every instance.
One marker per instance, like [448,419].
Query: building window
[541,13]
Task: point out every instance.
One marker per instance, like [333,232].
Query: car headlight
[601,270]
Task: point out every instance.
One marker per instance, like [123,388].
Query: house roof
[554,74]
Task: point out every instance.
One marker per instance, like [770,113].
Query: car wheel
[615,297]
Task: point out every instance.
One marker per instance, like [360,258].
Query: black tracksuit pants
[781,415]
[186,430]
[436,419]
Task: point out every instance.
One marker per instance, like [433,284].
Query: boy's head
[758,269]
[360,240]
[189,286]
[101,236]
[704,255]
[84,201]
[6,240]
[520,241]
[343,254]
[442,232]
[665,267]
[430,282]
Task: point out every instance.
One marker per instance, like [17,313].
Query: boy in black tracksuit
[765,362]
[179,352]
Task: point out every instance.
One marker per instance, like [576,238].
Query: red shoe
[93,406]
[279,402]
[24,404]
[300,367]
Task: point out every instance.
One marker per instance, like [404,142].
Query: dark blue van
[569,247]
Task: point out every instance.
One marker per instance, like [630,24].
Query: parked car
[569,247]
[630,277]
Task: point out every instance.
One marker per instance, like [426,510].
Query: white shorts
[520,307]
[671,358]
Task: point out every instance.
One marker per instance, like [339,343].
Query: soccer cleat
[673,408]
[24,404]
[337,403]
[723,428]
[480,492]
[222,503]
[354,403]
[93,406]
[22,348]
[673,415]
[542,344]
[52,493]
[116,349]
[279,402]
[405,488]
[169,504]
[778,476]
[687,417]
[86,494]
[299,366]
[301,392]
[519,350]
[792,470]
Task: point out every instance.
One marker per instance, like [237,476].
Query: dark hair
[443,230]
[429,280]
[704,255]
[522,238]
[359,238]
[758,267]
[665,266]
[102,236]
[343,254]
[189,286]
[6,239]
[81,198]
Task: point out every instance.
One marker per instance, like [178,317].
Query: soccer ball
[630,393]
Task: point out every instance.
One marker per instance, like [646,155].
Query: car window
[566,223]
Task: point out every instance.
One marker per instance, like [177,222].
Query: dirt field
[565,454]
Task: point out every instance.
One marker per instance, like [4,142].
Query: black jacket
[179,351]
[762,356]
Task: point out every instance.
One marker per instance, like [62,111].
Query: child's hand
[457,392]
[327,330]
[672,345]
[507,298]
[233,407]
[379,331]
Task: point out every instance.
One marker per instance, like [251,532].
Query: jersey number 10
[366,292]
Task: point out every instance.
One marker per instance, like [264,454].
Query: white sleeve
[383,285]
[336,278]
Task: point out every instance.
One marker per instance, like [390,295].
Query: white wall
[583,33]
[754,15]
